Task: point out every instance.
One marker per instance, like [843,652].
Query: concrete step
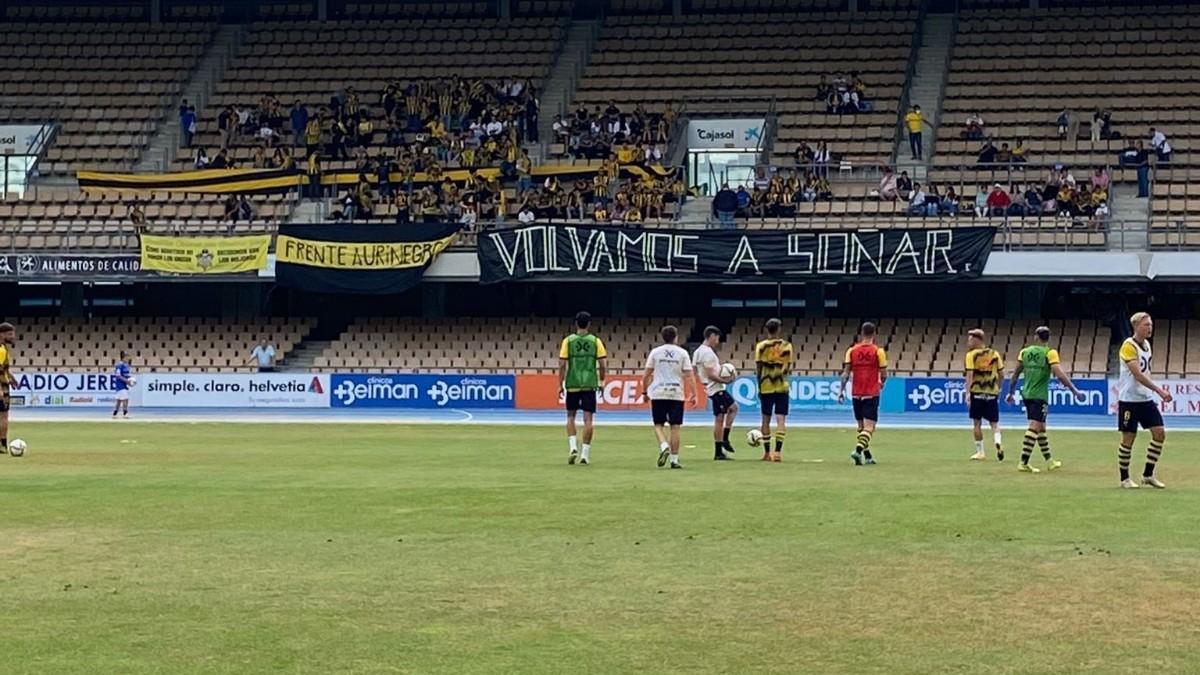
[164,145]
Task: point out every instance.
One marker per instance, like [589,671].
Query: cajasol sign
[726,134]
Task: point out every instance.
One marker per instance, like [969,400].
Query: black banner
[359,258]
[573,251]
[97,267]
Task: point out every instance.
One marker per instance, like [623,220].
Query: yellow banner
[371,255]
[205,255]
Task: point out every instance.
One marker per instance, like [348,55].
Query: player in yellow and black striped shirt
[984,368]
[773,366]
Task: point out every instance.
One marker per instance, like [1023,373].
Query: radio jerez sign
[565,251]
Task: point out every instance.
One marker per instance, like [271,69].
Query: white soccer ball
[728,370]
[132,381]
[754,437]
[17,448]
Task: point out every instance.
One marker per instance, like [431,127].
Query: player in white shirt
[1135,402]
[668,382]
[708,369]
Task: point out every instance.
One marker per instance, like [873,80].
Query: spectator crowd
[635,135]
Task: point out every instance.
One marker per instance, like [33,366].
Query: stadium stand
[920,347]
[65,218]
[705,64]
[279,65]
[107,79]
[459,345]
[174,344]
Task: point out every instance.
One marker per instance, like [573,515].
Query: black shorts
[667,412]
[774,404]
[1036,411]
[721,403]
[985,409]
[581,400]
[866,408]
[1132,414]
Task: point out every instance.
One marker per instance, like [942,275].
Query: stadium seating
[188,345]
[52,218]
[279,58]
[763,61]
[1066,60]
[106,83]
[920,347]
[388,345]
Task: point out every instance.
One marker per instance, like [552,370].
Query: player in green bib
[1038,362]
[581,372]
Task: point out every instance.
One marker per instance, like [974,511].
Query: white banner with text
[260,390]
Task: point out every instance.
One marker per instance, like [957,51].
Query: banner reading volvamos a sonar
[594,252]
[369,259]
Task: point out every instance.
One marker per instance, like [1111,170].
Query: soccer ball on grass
[754,437]
[17,448]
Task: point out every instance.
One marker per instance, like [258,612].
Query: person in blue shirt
[122,381]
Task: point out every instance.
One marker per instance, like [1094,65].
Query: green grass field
[155,548]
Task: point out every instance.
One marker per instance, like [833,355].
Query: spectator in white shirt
[916,203]
[526,215]
[974,131]
[263,355]
[1158,141]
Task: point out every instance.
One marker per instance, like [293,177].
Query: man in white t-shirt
[668,382]
[1135,402]
[708,369]
[263,356]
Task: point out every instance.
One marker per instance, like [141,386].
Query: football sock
[587,448]
[664,446]
[1153,452]
[996,440]
[978,446]
[4,443]
[572,444]
[862,442]
[1124,453]
[725,442]
[1027,444]
[1044,444]
[718,448]
[675,459]
[780,436]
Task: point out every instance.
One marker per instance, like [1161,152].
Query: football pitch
[252,548]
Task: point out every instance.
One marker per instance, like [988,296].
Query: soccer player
[773,365]
[668,382]
[708,369]
[8,337]
[581,372]
[1135,402]
[1038,362]
[121,376]
[985,370]
[867,363]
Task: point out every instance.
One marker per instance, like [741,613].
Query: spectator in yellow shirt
[915,121]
